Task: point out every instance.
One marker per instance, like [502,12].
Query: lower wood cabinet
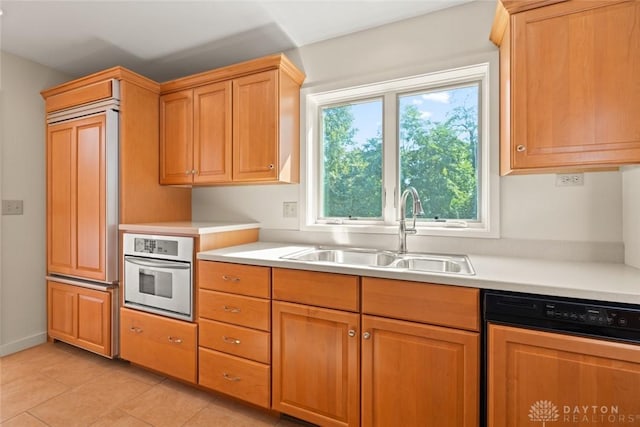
[565,380]
[80,316]
[234,317]
[316,372]
[159,343]
[418,375]
[235,376]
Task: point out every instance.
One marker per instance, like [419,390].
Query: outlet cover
[569,179]
[290,209]
[12,207]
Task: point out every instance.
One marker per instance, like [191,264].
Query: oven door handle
[157,264]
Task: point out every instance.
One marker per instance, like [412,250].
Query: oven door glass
[158,285]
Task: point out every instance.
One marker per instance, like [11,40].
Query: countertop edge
[552,278]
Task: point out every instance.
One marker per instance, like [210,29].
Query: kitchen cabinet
[102,169]
[76,217]
[80,316]
[166,345]
[543,376]
[234,306]
[237,124]
[567,94]
[316,347]
[437,366]
[195,136]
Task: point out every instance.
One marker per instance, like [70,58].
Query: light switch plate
[12,207]
[289,209]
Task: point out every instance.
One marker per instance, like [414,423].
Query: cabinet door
[316,364]
[212,133]
[567,380]
[76,198]
[80,316]
[418,375]
[575,101]
[94,320]
[176,137]
[62,312]
[255,127]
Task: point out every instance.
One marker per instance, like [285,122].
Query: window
[369,143]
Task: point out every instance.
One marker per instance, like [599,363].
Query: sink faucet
[417,210]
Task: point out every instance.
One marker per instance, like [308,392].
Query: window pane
[438,139]
[352,166]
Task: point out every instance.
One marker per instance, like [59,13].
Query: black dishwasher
[555,361]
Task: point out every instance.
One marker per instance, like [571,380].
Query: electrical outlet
[289,209]
[12,207]
[569,179]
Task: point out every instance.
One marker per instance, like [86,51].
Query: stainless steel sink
[349,256]
[433,263]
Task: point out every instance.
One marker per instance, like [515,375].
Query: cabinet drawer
[330,290]
[238,310]
[422,302]
[236,340]
[159,343]
[235,278]
[244,379]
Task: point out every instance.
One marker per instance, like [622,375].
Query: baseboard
[23,343]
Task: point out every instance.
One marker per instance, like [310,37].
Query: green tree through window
[438,155]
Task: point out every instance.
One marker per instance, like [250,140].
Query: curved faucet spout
[403,230]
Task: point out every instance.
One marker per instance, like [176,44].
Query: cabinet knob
[175,340]
[187,172]
[230,278]
[194,172]
[271,166]
[352,332]
[366,335]
[520,148]
[135,330]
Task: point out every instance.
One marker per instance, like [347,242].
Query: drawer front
[444,305]
[240,279]
[329,290]
[236,340]
[235,309]
[241,378]
[162,344]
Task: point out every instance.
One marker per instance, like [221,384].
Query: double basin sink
[419,262]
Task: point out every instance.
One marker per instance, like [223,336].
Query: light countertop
[589,280]
[187,227]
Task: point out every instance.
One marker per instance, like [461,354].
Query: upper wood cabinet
[238,124]
[568,94]
[195,136]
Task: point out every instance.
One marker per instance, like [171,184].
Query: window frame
[390,90]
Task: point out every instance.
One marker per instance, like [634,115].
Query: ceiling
[164,40]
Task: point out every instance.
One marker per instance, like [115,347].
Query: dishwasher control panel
[593,315]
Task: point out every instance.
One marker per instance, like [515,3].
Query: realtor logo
[544,410]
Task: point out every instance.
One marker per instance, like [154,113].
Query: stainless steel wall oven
[158,274]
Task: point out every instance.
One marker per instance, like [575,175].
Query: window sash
[484,226]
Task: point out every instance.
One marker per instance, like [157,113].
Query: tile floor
[55,384]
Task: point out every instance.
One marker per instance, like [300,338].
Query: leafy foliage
[437,158]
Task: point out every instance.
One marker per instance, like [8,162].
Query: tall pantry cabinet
[85,203]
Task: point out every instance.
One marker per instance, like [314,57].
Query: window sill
[470,232]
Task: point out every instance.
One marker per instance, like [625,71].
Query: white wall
[22,162]
[587,220]
[631,214]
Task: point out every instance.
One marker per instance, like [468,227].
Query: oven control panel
[156,246]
